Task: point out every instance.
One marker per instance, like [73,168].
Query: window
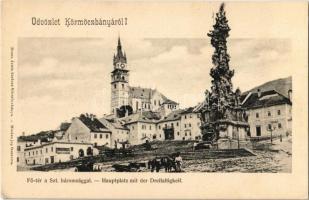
[149,127]
[148,106]
[172,124]
[269,126]
[18,148]
[71,148]
[165,125]
[155,102]
[257,115]
[17,159]
[258,131]
[51,149]
[29,153]
[106,136]
[95,135]
[122,86]
[159,103]
[185,116]
[185,125]
[32,152]
[185,134]
[177,124]
[41,151]
[269,113]
[189,125]
[159,127]
[101,136]
[46,150]
[136,105]
[160,135]
[190,116]
[178,133]
[279,125]
[115,85]
[279,112]
[36,152]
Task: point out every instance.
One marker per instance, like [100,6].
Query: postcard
[154,100]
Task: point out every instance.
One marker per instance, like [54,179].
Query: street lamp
[271,129]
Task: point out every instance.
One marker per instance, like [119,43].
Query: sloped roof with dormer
[282,85]
[116,123]
[145,116]
[93,124]
[173,116]
[265,99]
[147,93]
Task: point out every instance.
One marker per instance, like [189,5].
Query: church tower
[120,80]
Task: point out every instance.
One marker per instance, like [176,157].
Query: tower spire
[119,42]
[119,48]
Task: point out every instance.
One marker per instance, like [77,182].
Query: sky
[60,78]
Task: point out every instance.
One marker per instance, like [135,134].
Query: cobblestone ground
[276,159]
[263,162]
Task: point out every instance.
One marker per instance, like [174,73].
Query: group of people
[167,162]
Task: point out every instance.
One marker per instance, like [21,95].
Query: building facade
[120,133]
[55,152]
[88,129]
[269,113]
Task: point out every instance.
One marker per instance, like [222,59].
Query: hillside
[282,85]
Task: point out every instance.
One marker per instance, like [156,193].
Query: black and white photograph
[154,99]
[155,105]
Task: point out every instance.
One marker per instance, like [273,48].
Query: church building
[126,100]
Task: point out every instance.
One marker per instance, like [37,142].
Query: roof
[64,126]
[266,99]
[141,93]
[168,101]
[188,110]
[282,85]
[145,116]
[43,135]
[199,106]
[115,123]
[174,115]
[93,124]
[56,142]
[146,93]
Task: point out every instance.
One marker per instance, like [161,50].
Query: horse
[168,164]
[154,164]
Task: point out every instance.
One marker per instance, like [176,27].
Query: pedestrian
[194,145]
[178,161]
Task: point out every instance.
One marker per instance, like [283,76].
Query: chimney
[23,133]
[259,92]
[290,94]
